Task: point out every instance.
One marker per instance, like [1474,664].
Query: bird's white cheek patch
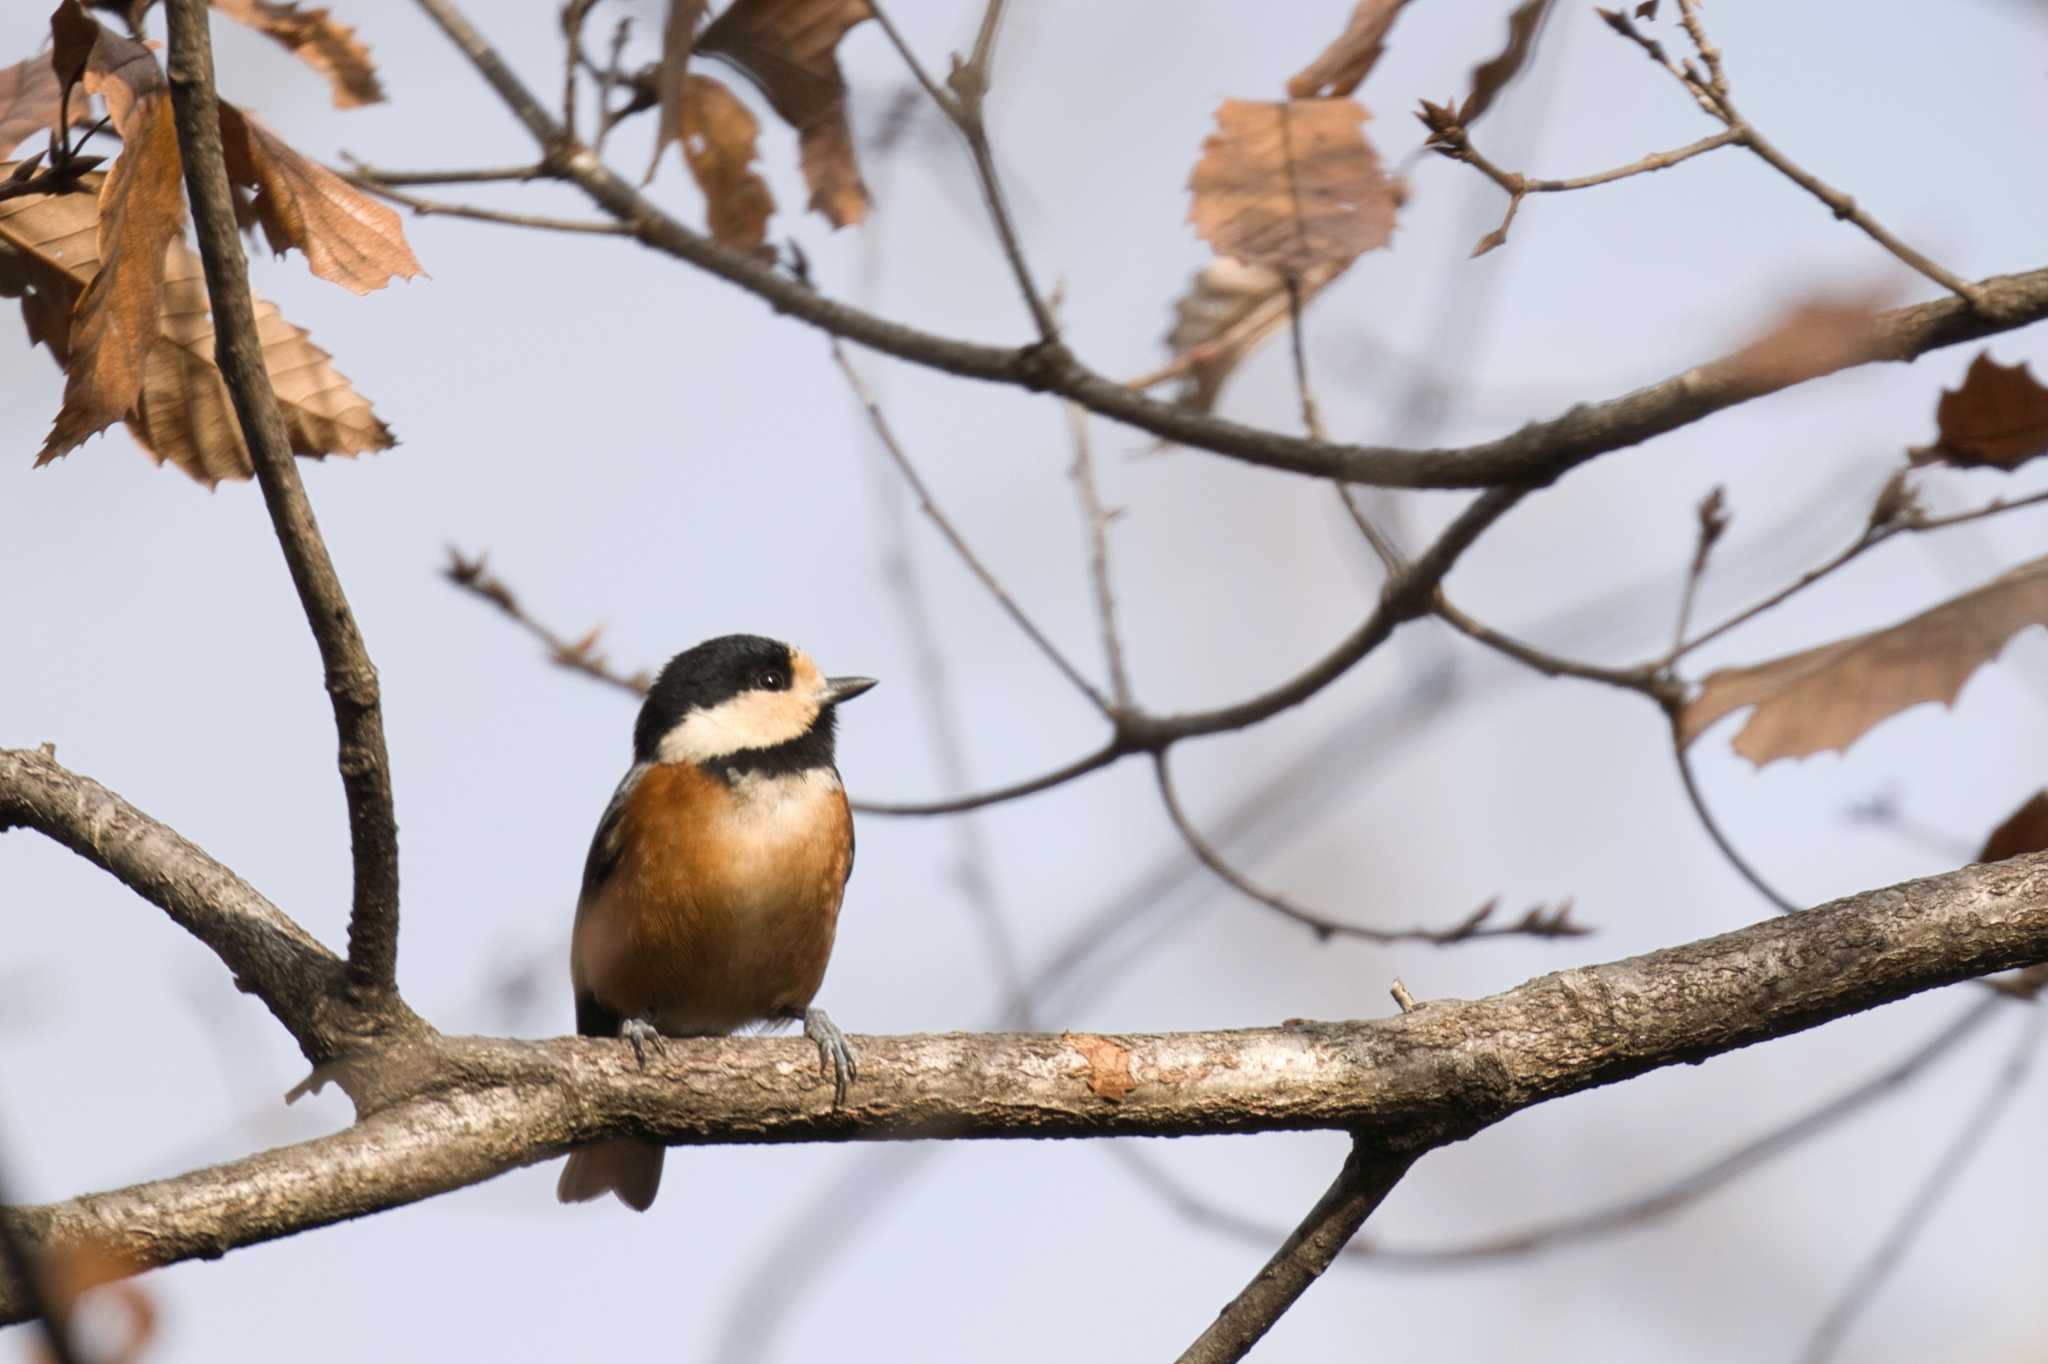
[755,719]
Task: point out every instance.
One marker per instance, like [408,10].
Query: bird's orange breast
[722,905]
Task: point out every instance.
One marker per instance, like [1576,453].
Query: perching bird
[712,889]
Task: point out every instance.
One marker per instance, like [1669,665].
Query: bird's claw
[640,1032]
[833,1052]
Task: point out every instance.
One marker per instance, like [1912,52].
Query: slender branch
[270,955]
[351,678]
[1683,757]
[376,177]
[930,507]
[1643,678]
[1366,1179]
[1404,1085]
[997,795]
[1540,452]
[1977,1127]
[1096,518]
[441,208]
[1712,96]
[1538,922]
[577,655]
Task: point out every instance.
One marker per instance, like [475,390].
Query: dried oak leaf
[1291,185]
[1817,335]
[29,101]
[1997,419]
[348,237]
[2025,830]
[1826,698]
[1228,310]
[1346,62]
[789,48]
[141,210]
[671,75]
[319,40]
[182,413]
[718,142]
[1491,76]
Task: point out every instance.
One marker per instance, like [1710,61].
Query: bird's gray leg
[833,1052]
[641,1031]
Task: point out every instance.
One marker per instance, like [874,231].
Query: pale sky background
[640,444]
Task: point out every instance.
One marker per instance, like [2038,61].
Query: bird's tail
[631,1169]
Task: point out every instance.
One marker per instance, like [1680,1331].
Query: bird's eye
[772,679]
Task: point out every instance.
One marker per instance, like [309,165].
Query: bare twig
[351,678]
[377,177]
[1683,757]
[931,509]
[1712,95]
[1913,1219]
[1713,523]
[1538,922]
[1368,1177]
[440,208]
[578,655]
[1644,678]
[1311,419]
[1095,519]
[1538,453]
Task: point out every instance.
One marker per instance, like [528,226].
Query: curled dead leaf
[1291,185]
[1109,1065]
[1826,698]
[1228,310]
[319,40]
[181,412]
[1491,76]
[718,137]
[29,101]
[1346,63]
[2025,830]
[671,74]
[348,238]
[1996,419]
[789,48]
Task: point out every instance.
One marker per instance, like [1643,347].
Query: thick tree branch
[1366,1179]
[271,956]
[448,1112]
[351,678]
[1538,453]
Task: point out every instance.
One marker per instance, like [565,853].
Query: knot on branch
[1042,365]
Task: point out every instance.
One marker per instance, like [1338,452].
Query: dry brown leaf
[1826,698]
[49,254]
[718,139]
[1491,76]
[1346,62]
[141,210]
[789,48]
[1228,310]
[29,98]
[348,237]
[671,77]
[2025,830]
[1997,419]
[1815,336]
[319,40]
[1109,1065]
[1291,185]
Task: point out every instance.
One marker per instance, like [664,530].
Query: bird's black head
[742,694]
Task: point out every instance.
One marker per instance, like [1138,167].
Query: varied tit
[712,889]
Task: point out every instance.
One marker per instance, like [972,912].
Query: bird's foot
[833,1053]
[641,1032]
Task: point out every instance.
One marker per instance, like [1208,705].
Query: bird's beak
[839,689]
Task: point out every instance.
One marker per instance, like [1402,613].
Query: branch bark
[351,678]
[1538,453]
[443,1113]
[271,956]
